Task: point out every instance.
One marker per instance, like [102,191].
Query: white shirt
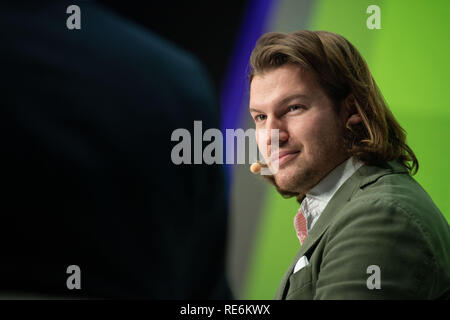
[318,197]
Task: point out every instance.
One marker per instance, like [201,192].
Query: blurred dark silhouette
[208,29]
[86,171]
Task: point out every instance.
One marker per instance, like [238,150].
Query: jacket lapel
[360,179]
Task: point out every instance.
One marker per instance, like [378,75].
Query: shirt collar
[318,197]
[328,186]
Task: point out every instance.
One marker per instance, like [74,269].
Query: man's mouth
[284,156]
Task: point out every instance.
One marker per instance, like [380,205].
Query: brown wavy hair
[346,79]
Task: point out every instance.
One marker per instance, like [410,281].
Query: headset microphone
[255,167]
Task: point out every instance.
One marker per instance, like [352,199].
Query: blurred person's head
[317,90]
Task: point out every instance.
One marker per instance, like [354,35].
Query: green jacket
[379,217]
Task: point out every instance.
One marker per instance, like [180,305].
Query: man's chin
[286,184]
[293,181]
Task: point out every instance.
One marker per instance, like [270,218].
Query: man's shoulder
[395,192]
[394,204]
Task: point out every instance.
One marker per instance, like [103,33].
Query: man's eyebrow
[255,110]
[291,97]
[284,101]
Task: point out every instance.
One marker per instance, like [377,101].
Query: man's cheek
[316,135]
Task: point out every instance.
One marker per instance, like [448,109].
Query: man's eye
[260,117]
[296,107]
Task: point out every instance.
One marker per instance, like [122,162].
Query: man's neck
[335,178]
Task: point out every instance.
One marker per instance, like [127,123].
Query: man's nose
[275,124]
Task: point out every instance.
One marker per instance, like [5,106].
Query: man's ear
[352,116]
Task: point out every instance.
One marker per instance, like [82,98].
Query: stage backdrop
[408,57]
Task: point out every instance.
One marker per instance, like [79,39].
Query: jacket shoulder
[400,194]
[395,222]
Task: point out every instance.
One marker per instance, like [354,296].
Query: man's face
[289,99]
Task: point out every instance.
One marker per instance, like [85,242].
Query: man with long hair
[367,229]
